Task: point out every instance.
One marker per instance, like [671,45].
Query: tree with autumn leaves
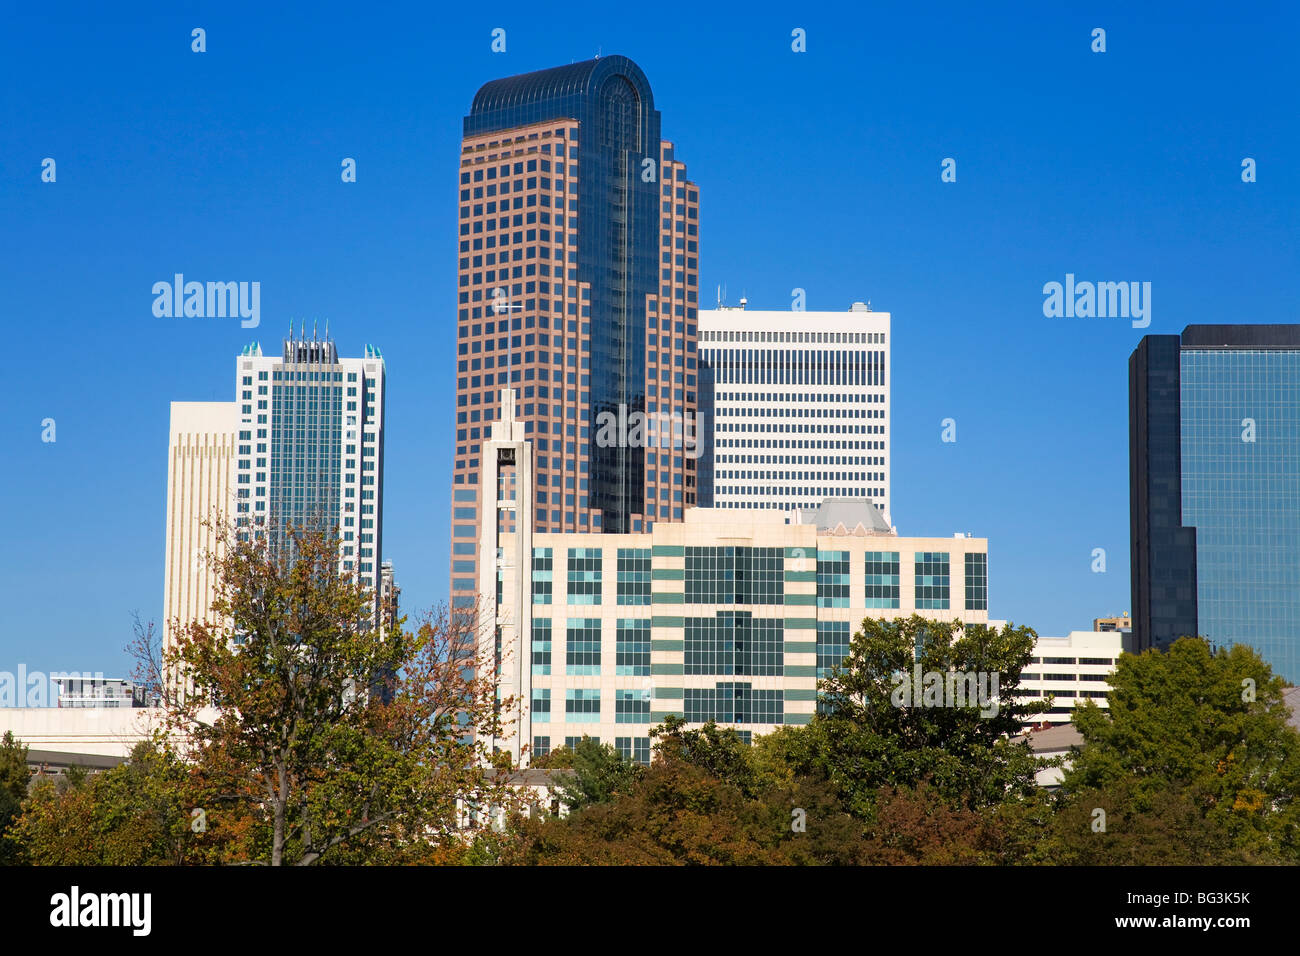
[1194,762]
[305,735]
[298,731]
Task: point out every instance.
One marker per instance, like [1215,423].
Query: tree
[323,736]
[719,752]
[677,813]
[14,779]
[701,801]
[599,774]
[132,815]
[1109,827]
[868,734]
[1209,727]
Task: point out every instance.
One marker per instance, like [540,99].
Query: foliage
[132,815]
[315,734]
[600,773]
[862,740]
[14,779]
[678,813]
[1197,740]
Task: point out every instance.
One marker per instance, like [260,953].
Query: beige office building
[200,486]
[730,615]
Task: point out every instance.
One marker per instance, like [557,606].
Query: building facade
[729,615]
[794,408]
[200,488]
[1214,432]
[1071,670]
[1118,622]
[578,289]
[302,444]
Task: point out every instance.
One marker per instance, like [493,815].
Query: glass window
[733,703]
[882,579]
[734,642]
[582,705]
[541,645]
[832,645]
[833,579]
[541,704]
[735,575]
[633,575]
[632,648]
[542,575]
[582,647]
[632,706]
[977,582]
[931,581]
[584,575]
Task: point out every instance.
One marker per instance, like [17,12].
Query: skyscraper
[302,444]
[794,408]
[578,289]
[1214,464]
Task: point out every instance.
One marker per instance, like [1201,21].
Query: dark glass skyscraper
[1214,434]
[578,289]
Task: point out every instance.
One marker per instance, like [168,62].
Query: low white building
[64,734]
[1071,670]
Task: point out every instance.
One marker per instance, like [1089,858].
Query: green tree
[1209,728]
[132,815]
[599,774]
[1111,827]
[677,813]
[864,737]
[719,751]
[14,779]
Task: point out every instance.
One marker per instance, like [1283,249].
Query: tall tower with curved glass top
[578,276]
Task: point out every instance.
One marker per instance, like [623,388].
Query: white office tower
[794,408]
[311,446]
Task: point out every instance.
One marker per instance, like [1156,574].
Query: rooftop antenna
[598,49]
[313,330]
[327,329]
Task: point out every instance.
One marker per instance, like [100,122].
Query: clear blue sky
[818,170]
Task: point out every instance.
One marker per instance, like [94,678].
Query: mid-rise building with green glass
[729,616]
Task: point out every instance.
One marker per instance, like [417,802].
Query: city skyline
[1038,403]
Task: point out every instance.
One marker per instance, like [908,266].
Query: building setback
[729,615]
[1214,465]
[578,289]
[794,408]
